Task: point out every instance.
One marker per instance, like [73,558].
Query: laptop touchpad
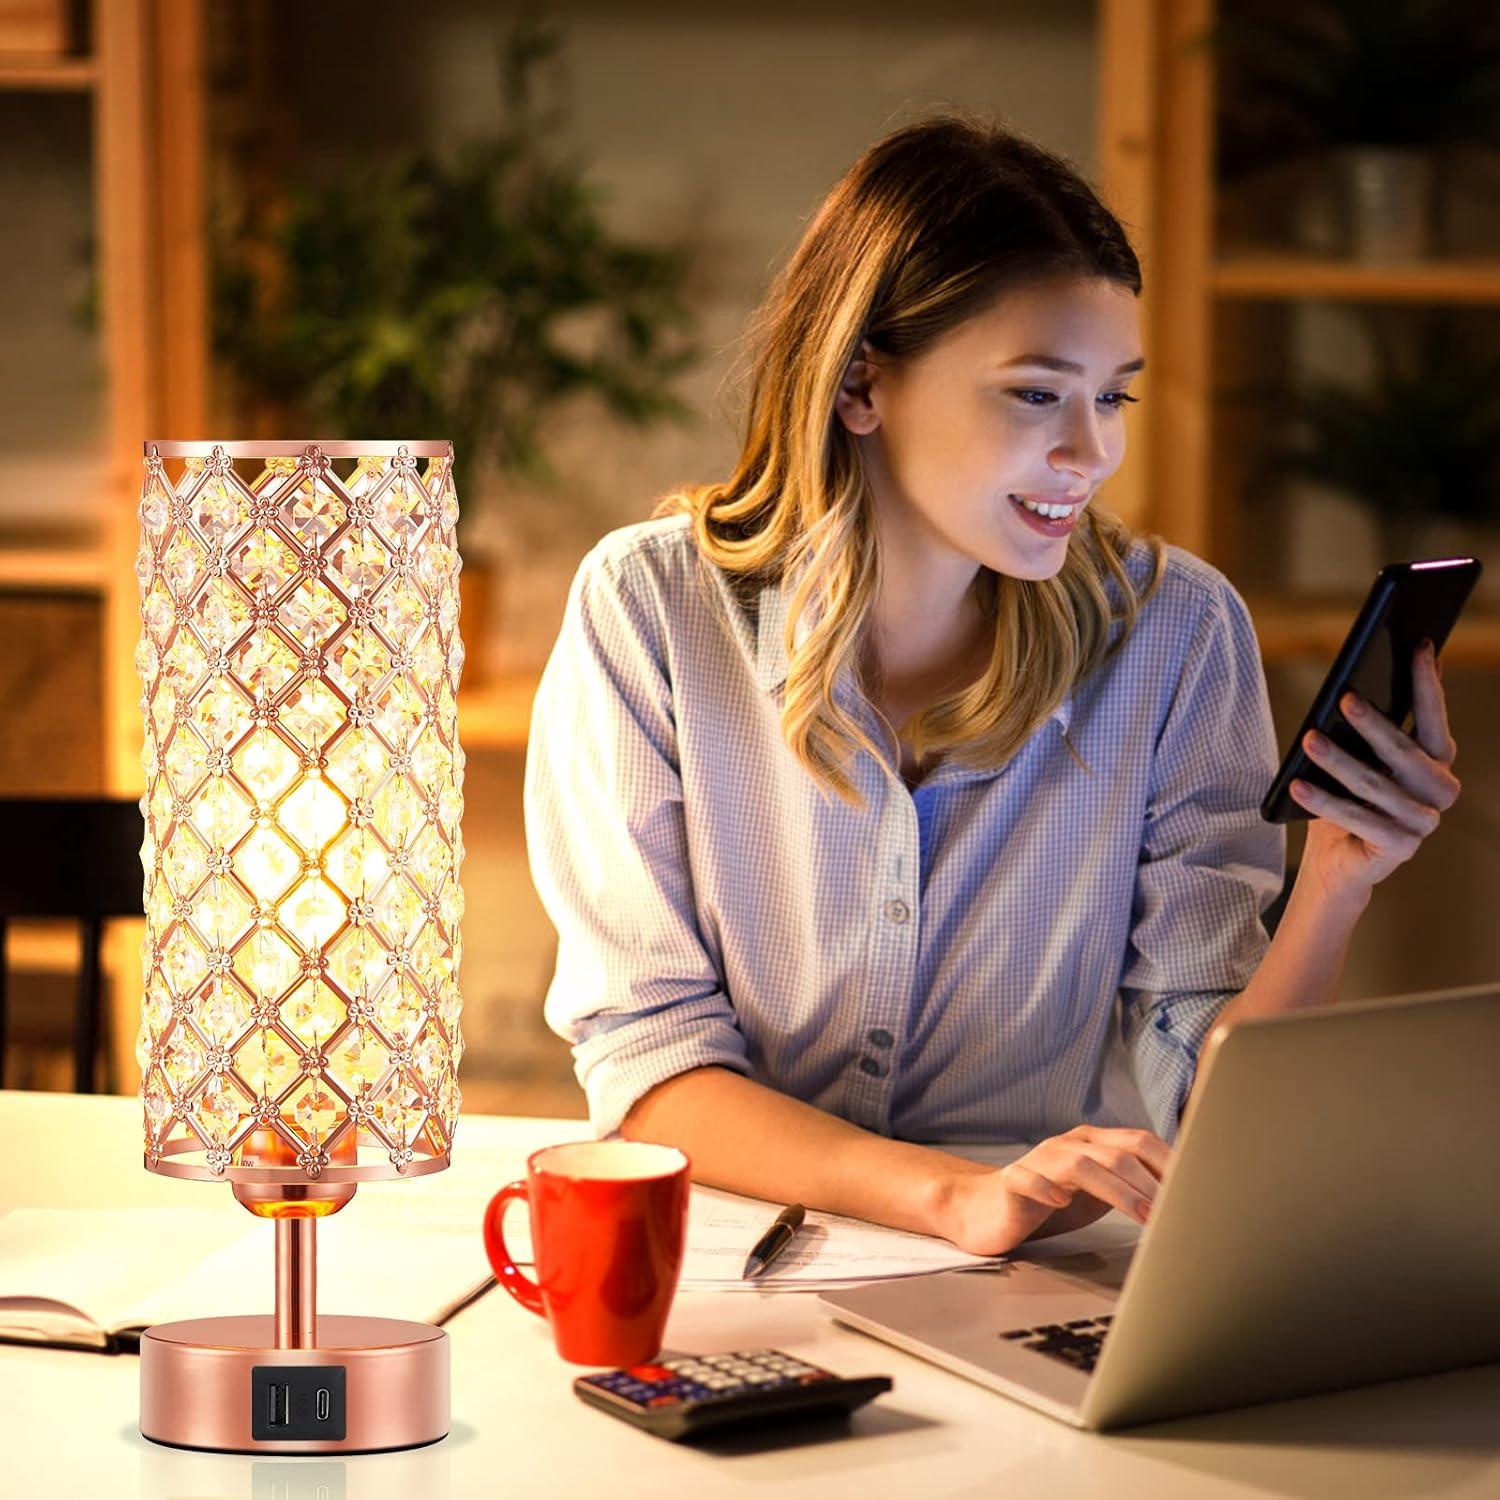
[1101,1270]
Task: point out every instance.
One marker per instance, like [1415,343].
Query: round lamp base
[368,1385]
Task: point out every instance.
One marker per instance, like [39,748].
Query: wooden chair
[78,858]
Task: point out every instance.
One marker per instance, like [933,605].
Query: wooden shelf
[48,74]
[84,568]
[496,715]
[1274,276]
[43,945]
[1315,629]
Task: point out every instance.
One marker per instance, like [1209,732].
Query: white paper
[827,1251]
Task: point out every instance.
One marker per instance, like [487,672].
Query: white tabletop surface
[68,1420]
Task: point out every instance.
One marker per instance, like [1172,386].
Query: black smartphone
[1407,603]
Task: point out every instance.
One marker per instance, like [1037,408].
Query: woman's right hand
[1064,1183]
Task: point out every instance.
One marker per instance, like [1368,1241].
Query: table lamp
[300,1024]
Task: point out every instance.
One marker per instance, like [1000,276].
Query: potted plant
[1372,92]
[463,295]
[1421,444]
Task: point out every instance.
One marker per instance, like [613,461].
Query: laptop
[1331,1218]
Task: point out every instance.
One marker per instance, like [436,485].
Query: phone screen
[1407,603]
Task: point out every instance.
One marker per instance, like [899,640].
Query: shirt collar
[771,655]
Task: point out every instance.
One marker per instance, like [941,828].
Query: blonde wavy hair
[926,228]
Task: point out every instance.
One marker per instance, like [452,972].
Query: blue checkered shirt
[999,955]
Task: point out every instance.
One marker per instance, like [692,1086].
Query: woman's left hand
[1353,845]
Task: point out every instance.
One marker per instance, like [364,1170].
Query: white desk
[68,1419]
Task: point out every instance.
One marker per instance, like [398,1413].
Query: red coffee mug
[608,1223]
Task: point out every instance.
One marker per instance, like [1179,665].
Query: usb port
[292,1402]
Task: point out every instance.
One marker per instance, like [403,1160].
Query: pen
[773,1241]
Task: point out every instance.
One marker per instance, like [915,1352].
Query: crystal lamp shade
[299,659]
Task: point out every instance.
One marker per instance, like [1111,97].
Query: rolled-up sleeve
[1209,866]
[636,991]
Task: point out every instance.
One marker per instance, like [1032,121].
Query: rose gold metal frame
[196,1375]
[267,448]
[380,1171]
[196,1382]
[428,1150]
[296,1283]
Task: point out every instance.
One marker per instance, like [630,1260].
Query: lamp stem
[296,1283]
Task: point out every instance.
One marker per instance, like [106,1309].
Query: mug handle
[507,1272]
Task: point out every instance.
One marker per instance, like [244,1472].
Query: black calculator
[690,1395]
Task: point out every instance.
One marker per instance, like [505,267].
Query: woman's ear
[853,403]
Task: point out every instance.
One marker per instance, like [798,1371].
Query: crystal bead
[361,562]
[223,1012]
[183,1059]
[315,512]
[219,1109]
[316,1110]
[266,964]
[358,964]
[181,564]
[312,714]
[266,765]
[314,1012]
[264,562]
[267,864]
[399,1012]
[266,1063]
[312,813]
[313,613]
[312,913]
[359,1060]
[217,510]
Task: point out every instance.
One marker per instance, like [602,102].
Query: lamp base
[368,1385]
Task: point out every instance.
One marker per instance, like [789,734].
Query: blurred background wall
[147,145]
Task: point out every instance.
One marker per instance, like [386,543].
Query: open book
[92,1279]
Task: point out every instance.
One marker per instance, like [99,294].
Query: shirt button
[873,1068]
[880,1037]
[897,912]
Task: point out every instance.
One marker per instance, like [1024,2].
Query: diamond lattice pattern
[299,658]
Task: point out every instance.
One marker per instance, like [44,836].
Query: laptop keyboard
[1076,1343]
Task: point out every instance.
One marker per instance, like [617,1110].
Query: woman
[890,792]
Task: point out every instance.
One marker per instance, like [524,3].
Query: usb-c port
[325,1402]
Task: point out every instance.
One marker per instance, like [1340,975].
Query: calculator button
[665,1401]
[650,1372]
